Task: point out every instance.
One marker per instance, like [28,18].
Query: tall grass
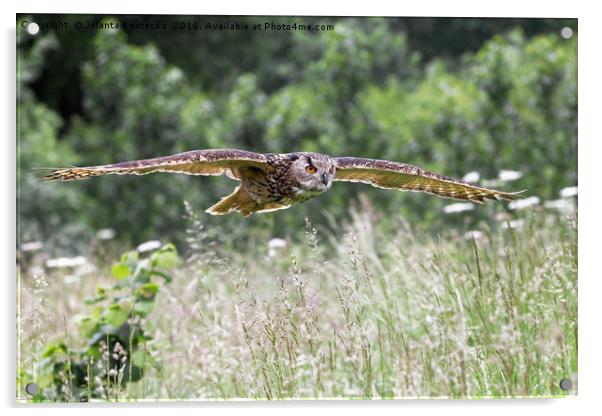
[371,311]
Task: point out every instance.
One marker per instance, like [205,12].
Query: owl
[269,182]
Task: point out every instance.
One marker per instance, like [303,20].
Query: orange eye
[310,169]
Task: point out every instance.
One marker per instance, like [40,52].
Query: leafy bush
[114,332]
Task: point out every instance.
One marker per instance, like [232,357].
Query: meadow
[375,309]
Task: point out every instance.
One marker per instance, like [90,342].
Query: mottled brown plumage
[276,181]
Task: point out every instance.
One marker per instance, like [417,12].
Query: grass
[370,311]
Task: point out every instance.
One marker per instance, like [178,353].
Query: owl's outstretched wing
[197,162]
[394,175]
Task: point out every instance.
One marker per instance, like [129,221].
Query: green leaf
[147,290]
[120,271]
[142,359]
[144,307]
[130,259]
[86,323]
[96,312]
[115,315]
[142,270]
[139,358]
[96,299]
[55,349]
[166,257]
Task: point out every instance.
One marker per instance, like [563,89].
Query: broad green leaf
[143,308]
[147,290]
[55,349]
[86,323]
[142,359]
[97,311]
[139,358]
[166,257]
[115,315]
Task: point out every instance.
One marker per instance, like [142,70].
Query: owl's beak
[324,178]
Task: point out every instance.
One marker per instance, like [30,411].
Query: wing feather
[404,177]
[197,162]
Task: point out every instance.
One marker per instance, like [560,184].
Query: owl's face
[314,173]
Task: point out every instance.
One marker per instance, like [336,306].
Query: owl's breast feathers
[280,179]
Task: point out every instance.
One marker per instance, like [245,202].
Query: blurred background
[493,101]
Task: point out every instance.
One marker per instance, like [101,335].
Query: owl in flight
[270,182]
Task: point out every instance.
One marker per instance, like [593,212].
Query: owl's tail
[241,201]
[236,201]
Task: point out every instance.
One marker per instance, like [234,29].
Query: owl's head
[314,172]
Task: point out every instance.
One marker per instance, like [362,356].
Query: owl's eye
[310,169]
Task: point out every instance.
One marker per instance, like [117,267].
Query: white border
[590,136]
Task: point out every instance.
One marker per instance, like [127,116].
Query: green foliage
[114,333]
[362,89]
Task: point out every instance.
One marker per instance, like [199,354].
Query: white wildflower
[474,234]
[492,183]
[472,177]
[275,245]
[63,262]
[569,192]
[513,224]
[148,246]
[564,206]
[458,207]
[32,246]
[524,203]
[509,175]
[105,234]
